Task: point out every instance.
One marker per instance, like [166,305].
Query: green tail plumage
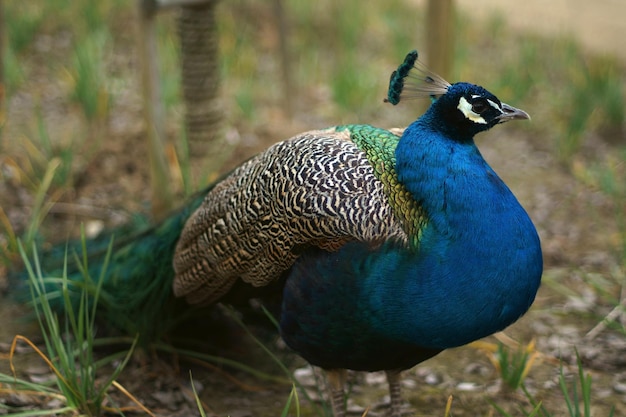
[135,264]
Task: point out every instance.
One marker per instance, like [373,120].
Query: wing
[317,188]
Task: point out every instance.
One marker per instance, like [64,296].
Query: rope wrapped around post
[200,77]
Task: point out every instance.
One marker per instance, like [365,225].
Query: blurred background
[109,108]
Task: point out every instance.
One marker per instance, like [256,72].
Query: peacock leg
[395,396]
[336,382]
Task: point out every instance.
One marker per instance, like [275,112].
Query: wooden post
[285,61]
[200,77]
[3,108]
[440,20]
[160,183]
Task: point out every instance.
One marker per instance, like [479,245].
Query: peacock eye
[479,106]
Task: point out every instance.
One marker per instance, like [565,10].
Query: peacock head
[463,107]
[471,108]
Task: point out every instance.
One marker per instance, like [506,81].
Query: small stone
[467,386]
[432,379]
[305,376]
[476,368]
[375,378]
[93,228]
[620,387]
[409,383]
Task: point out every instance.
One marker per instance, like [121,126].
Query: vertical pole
[285,62]
[200,77]
[2,80]
[440,20]
[160,184]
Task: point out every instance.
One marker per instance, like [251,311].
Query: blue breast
[477,269]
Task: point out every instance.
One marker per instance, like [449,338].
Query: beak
[511,113]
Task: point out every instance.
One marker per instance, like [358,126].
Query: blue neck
[480,261]
[451,180]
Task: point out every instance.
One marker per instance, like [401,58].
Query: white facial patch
[494,105]
[466,109]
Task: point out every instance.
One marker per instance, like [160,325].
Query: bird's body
[388,246]
[359,282]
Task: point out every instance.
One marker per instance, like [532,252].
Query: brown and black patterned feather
[317,188]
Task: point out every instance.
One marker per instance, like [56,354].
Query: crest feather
[413,80]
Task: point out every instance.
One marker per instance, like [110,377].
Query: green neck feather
[380,145]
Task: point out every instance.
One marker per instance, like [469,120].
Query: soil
[576,225]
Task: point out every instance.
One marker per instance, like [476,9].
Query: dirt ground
[576,227]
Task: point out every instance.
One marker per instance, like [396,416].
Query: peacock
[383,247]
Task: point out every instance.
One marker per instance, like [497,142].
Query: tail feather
[134,263]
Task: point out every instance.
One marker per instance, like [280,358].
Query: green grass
[13,72]
[83,379]
[45,170]
[43,150]
[292,399]
[88,75]
[512,360]
[596,101]
[23,21]
[169,67]
[576,393]
[514,364]
[607,177]
[39,183]
[69,347]
[94,13]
